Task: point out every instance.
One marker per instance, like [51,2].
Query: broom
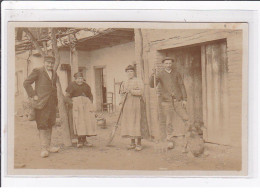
[113,132]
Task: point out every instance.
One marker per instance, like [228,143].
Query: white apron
[84,121]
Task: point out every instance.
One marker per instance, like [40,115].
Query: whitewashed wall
[114,59]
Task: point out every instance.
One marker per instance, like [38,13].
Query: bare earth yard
[116,157]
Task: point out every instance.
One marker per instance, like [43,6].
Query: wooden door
[215,91]
[98,88]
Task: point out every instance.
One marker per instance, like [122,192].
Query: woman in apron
[84,124]
[133,121]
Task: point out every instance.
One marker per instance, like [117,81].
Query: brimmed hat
[167,58]
[78,74]
[130,67]
[49,58]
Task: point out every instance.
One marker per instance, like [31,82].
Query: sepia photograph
[127,98]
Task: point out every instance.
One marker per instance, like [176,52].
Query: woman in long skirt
[83,116]
[133,120]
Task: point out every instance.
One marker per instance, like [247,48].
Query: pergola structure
[106,38]
[84,39]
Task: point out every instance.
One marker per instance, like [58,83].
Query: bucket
[101,122]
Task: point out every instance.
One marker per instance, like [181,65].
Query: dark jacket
[171,85]
[44,86]
[75,90]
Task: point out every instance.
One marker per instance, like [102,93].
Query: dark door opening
[101,89]
[188,64]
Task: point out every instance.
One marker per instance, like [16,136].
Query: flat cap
[167,58]
[78,74]
[130,67]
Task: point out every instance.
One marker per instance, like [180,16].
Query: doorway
[100,87]
[203,68]
[188,64]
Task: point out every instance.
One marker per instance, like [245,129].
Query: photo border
[250,17]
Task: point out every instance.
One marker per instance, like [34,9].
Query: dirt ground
[116,157]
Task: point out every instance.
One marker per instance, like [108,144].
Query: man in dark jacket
[44,101]
[172,95]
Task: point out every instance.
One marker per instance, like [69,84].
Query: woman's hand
[127,91]
[35,98]
[136,92]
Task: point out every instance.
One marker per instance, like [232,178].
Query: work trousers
[168,109]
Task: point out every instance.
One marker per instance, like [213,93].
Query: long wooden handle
[121,110]
[154,79]
[111,137]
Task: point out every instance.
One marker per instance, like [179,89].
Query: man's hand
[183,103]
[127,91]
[35,98]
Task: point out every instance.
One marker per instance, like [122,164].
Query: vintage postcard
[126,98]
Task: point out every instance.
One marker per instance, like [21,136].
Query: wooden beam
[121,35]
[20,52]
[125,29]
[103,40]
[94,44]
[82,47]
[107,38]
[93,47]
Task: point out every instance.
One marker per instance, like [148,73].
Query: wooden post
[73,61]
[147,91]
[66,136]
[74,69]
[139,53]
[141,56]
[61,101]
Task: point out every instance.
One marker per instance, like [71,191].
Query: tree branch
[34,41]
[55,48]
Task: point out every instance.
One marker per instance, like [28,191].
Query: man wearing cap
[44,102]
[172,95]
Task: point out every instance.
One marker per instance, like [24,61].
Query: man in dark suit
[44,101]
[172,95]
